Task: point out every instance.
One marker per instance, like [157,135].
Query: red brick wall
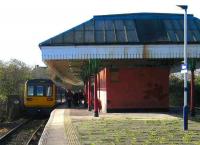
[138,88]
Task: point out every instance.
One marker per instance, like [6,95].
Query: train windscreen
[39,90]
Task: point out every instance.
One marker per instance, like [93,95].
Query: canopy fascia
[118,52]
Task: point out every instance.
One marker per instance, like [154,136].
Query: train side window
[30,90]
[49,91]
[39,91]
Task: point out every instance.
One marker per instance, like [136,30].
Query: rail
[35,134]
[24,133]
[12,131]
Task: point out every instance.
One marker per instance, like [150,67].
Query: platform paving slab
[54,132]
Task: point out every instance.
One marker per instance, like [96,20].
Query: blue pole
[185,108]
[185,117]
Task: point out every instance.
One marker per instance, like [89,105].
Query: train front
[39,95]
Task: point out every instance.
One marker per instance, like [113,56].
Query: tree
[13,75]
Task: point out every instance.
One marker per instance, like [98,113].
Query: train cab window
[48,91]
[39,91]
[30,90]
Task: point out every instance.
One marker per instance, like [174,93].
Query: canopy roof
[140,39]
[135,28]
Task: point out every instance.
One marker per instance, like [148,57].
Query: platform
[60,131]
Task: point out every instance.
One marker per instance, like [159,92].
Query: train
[42,95]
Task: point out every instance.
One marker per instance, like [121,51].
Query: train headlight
[29,99]
[49,99]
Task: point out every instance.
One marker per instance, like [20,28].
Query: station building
[125,57]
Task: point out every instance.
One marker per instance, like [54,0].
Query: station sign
[184,68]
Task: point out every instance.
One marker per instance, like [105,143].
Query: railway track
[33,140]
[26,133]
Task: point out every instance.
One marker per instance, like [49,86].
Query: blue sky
[26,23]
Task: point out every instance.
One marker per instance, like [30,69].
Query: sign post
[185,107]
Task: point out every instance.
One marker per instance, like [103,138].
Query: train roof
[40,81]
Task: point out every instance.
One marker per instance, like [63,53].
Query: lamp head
[182,6]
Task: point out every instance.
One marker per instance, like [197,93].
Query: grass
[127,131]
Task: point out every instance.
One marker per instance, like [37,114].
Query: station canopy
[134,39]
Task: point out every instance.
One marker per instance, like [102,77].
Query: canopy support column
[89,94]
[96,112]
[99,88]
[85,91]
[192,100]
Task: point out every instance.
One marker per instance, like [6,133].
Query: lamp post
[185,107]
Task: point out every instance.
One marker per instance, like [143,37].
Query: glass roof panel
[89,36]
[191,25]
[179,33]
[109,25]
[99,37]
[89,25]
[132,36]
[68,37]
[129,24]
[168,24]
[151,30]
[120,34]
[172,36]
[110,36]
[79,36]
[119,25]
[176,25]
[99,25]
[197,35]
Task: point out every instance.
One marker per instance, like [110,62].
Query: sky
[26,23]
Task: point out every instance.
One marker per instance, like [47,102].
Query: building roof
[134,28]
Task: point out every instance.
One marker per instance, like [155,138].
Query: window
[39,91]
[48,91]
[30,90]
